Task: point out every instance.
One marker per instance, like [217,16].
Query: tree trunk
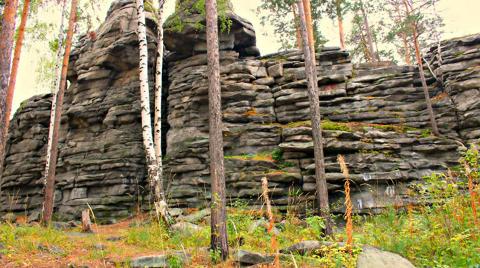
[340,23]
[297,28]
[151,157]
[219,240]
[14,71]
[373,53]
[308,16]
[311,73]
[418,57]
[7,32]
[163,205]
[406,47]
[86,222]
[56,114]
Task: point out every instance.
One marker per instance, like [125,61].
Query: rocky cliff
[374,115]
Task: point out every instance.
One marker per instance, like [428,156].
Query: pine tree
[55,118]
[428,101]
[14,71]
[219,242]
[278,14]
[6,44]
[312,82]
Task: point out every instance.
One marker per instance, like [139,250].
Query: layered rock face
[375,116]
[457,63]
[101,158]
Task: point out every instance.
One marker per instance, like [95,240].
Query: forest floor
[441,230]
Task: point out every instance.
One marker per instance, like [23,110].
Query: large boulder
[185,30]
[374,258]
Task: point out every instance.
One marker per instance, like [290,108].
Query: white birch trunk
[56,87]
[158,94]
[151,157]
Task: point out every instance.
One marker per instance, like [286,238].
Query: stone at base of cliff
[175,260]
[374,258]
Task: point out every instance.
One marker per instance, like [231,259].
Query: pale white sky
[460,16]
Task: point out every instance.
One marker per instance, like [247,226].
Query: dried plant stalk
[348,201]
[271,222]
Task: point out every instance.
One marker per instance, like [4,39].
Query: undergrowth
[440,232]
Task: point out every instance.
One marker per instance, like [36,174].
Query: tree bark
[56,115]
[428,101]
[163,205]
[373,53]
[86,222]
[7,32]
[308,16]
[311,73]
[151,157]
[219,240]
[341,31]
[297,28]
[14,71]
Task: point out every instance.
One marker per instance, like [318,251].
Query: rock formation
[374,115]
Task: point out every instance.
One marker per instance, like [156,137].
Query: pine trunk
[428,101]
[56,115]
[311,73]
[308,16]
[374,55]
[7,32]
[297,28]
[15,63]
[341,31]
[219,242]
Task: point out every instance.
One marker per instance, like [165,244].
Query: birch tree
[218,225]
[55,118]
[6,44]
[312,84]
[148,142]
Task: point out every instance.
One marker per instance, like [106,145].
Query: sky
[460,17]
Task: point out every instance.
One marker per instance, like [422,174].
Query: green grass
[442,234]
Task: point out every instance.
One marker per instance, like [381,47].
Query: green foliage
[441,234]
[317,224]
[279,14]
[277,155]
[174,261]
[177,24]
[17,240]
[330,125]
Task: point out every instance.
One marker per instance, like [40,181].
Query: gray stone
[247,258]
[304,247]
[186,227]
[371,257]
[276,71]
[196,216]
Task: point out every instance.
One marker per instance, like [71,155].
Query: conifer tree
[414,26]
[219,241]
[14,71]
[55,118]
[7,32]
[312,84]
